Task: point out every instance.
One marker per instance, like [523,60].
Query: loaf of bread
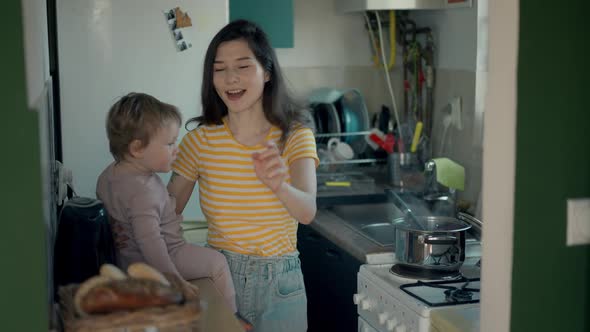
[113,272]
[144,271]
[84,288]
[127,294]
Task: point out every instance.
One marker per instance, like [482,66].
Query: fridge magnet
[178,21]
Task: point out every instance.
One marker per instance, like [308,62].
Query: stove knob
[383,317]
[356,298]
[400,328]
[366,305]
[391,323]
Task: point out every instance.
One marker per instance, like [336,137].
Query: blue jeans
[270,291]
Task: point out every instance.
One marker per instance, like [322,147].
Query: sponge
[449,173]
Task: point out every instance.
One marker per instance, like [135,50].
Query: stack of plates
[340,111]
[326,119]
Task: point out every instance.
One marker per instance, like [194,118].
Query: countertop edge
[360,247]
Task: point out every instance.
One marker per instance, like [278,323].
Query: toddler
[142,133]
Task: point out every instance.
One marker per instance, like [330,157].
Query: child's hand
[190,290]
[270,167]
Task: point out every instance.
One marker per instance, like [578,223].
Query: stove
[391,301]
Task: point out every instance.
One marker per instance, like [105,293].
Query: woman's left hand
[270,167]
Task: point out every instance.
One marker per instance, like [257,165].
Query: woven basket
[181,317]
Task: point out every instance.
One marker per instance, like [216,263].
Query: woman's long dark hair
[279,107]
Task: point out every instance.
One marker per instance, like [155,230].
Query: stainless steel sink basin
[371,220]
[382,233]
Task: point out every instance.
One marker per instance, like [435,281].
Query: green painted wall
[22,248]
[550,281]
[275,17]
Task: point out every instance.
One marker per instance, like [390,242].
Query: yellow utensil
[416,139]
[337,184]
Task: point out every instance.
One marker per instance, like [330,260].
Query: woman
[254,156]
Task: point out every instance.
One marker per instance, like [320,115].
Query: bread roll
[84,288]
[128,294]
[144,271]
[113,272]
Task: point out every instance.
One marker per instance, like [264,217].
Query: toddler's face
[162,149]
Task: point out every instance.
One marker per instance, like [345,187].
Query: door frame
[499,161]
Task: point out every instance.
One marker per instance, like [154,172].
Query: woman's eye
[218,69]
[243,67]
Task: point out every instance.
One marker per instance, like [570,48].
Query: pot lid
[432,224]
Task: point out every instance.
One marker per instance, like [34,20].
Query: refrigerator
[108,48]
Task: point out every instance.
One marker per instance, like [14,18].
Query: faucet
[441,200]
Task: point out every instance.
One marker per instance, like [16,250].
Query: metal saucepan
[476,224]
[439,246]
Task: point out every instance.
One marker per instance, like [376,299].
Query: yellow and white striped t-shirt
[244,215]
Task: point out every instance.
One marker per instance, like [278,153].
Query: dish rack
[352,161]
[346,177]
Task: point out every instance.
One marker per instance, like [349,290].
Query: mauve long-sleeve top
[144,211]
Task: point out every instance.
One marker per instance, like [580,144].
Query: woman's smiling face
[238,77]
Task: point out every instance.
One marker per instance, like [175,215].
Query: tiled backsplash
[463,146]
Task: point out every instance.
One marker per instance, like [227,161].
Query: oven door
[364,326]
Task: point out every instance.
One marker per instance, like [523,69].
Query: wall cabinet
[275,17]
[330,276]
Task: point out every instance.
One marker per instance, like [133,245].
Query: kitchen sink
[372,220]
[382,233]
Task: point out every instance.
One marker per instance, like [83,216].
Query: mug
[339,150]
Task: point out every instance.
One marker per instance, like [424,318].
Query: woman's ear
[136,148]
[266,76]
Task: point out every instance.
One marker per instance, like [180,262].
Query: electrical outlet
[578,221]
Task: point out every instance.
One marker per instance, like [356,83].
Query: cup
[408,160]
[403,171]
[394,174]
[339,150]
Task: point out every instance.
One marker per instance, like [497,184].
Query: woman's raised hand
[270,167]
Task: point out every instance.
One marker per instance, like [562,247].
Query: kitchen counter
[216,315]
[365,250]
[338,231]
[357,245]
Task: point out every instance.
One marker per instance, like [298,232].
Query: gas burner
[441,293]
[405,271]
[458,295]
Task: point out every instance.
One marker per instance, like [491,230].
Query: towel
[449,173]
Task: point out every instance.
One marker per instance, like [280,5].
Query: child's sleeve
[144,215]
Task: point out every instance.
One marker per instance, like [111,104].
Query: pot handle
[440,239]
